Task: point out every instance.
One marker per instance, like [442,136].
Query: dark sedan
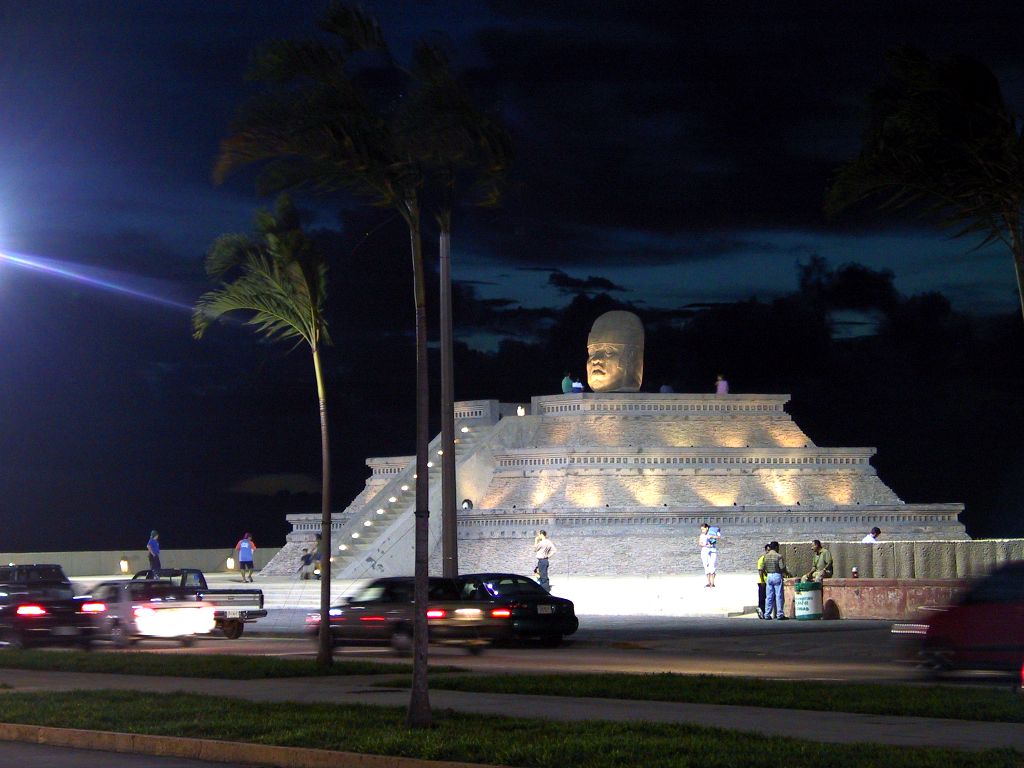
[383,611]
[531,611]
[38,606]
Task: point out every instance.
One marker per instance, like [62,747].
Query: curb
[212,750]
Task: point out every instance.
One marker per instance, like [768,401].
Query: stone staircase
[381,527]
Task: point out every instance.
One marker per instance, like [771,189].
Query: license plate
[232,614]
[545,609]
[65,631]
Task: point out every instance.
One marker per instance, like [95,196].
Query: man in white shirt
[543,548]
[872,538]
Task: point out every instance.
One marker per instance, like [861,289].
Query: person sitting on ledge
[822,567]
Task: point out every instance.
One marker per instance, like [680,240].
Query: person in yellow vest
[761,582]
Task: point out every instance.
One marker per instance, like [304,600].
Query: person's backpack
[713,534]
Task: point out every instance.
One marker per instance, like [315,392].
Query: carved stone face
[615,351]
[609,367]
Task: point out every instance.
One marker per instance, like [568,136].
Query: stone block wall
[613,545]
[107,563]
[910,559]
[614,430]
[881,598]
[627,488]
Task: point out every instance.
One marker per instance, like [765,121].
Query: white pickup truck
[232,607]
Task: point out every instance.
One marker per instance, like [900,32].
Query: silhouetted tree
[940,140]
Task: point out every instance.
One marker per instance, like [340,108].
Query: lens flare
[57,269]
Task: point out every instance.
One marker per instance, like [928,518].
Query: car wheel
[476,647]
[401,641]
[13,639]
[936,659]
[119,636]
[233,629]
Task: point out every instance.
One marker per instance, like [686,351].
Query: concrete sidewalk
[830,727]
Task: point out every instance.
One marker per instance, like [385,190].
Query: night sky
[669,154]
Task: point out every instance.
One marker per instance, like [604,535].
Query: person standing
[305,565]
[153,549]
[872,538]
[543,548]
[721,385]
[821,567]
[567,383]
[246,550]
[316,557]
[707,542]
[774,569]
[761,583]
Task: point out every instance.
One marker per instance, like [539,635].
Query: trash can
[807,600]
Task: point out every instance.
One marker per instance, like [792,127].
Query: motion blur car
[383,611]
[983,630]
[139,609]
[531,612]
[38,606]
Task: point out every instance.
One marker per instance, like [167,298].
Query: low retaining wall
[880,598]
[108,562]
[908,559]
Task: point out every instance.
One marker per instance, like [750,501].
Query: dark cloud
[574,285]
[648,136]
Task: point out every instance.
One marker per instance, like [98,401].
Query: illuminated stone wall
[619,488]
[622,482]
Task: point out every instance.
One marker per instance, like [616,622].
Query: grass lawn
[961,702]
[465,737]
[192,665]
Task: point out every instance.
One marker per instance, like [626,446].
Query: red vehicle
[983,630]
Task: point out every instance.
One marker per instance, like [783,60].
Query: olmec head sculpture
[615,350]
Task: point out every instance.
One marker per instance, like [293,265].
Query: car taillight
[374,618]
[94,607]
[501,613]
[142,611]
[436,613]
[31,610]
[313,618]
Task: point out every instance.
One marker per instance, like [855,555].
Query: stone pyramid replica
[621,481]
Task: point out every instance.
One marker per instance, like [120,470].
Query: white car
[138,609]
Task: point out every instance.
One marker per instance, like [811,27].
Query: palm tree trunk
[324,656]
[449,534]
[418,714]
[1017,248]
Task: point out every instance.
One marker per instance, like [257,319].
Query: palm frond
[357,30]
[281,284]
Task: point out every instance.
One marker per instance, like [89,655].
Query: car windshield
[33,574]
[444,590]
[153,590]
[1003,586]
[501,586]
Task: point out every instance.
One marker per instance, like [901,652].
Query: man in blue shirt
[153,548]
[246,550]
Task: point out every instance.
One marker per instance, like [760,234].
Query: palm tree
[322,125]
[453,140]
[280,279]
[941,141]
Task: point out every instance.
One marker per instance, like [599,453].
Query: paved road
[846,650]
